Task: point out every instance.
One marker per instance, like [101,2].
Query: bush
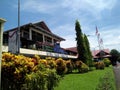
[45,80]
[51,62]
[78,65]
[24,73]
[60,66]
[106,62]
[82,67]
[14,69]
[69,66]
[99,65]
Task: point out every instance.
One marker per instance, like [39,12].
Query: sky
[61,15]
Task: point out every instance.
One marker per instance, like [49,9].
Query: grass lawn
[86,81]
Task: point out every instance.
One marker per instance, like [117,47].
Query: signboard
[12,42]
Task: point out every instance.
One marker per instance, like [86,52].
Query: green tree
[88,51]
[115,55]
[80,43]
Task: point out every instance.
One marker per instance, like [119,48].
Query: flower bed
[24,73]
[20,72]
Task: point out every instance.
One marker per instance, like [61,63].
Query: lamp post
[1,41]
[18,31]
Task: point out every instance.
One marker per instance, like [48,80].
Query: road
[117,75]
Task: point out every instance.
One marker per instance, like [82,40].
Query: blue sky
[60,16]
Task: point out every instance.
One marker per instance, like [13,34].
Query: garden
[35,73]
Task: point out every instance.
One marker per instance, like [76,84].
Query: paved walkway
[117,76]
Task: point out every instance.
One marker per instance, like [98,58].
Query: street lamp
[1,41]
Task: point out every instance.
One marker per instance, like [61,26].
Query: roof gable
[43,26]
[104,52]
[39,26]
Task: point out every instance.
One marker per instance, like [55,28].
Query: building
[36,37]
[71,51]
[98,54]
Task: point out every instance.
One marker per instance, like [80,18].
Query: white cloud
[81,9]
[95,7]
[73,6]
[70,41]
[64,30]
[100,5]
[38,6]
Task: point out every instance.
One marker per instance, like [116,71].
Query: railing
[42,53]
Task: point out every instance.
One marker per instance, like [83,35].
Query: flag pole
[98,39]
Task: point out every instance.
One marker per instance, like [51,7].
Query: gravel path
[117,76]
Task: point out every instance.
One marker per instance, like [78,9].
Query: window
[37,36]
[48,39]
[26,33]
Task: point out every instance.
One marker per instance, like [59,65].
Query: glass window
[37,36]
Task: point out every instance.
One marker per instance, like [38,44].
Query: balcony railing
[38,52]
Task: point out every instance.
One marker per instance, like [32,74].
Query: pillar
[1,41]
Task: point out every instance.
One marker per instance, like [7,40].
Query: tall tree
[80,43]
[88,51]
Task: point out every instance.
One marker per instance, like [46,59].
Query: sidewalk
[117,76]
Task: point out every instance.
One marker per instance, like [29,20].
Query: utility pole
[1,41]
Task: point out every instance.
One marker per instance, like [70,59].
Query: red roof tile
[73,49]
[95,53]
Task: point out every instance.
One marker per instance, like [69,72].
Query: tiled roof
[43,26]
[40,26]
[95,53]
[73,49]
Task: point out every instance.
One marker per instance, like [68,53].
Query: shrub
[52,79]
[45,80]
[69,66]
[35,81]
[44,62]
[106,62]
[82,67]
[99,65]
[60,66]
[14,69]
[51,64]
[20,72]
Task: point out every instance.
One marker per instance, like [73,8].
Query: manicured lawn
[86,81]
